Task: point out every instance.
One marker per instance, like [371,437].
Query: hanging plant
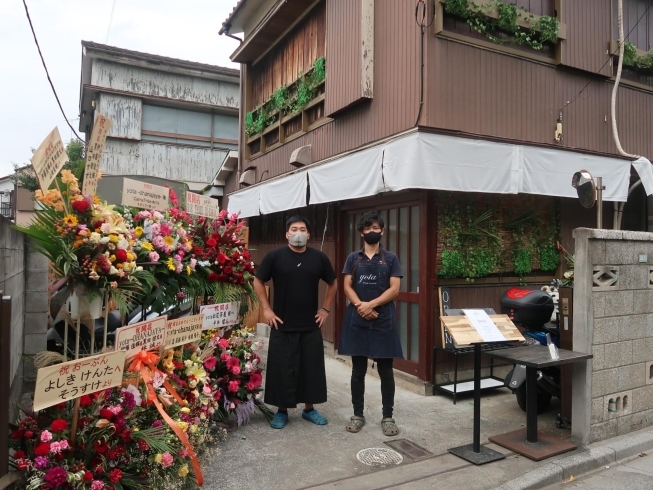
[280,98]
[549,258]
[453,265]
[319,70]
[522,261]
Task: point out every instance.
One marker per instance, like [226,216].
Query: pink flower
[105,228]
[46,436]
[64,445]
[154,257]
[166,459]
[224,343]
[206,390]
[55,448]
[193,263]
[97,485]
[158,241]
[165,229]
[232,363]
[225,357]
[234,385]
[210,363]
[156,229]
[183,453]
[235,369]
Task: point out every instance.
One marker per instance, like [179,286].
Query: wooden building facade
[387,83]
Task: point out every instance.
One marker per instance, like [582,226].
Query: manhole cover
[379,456]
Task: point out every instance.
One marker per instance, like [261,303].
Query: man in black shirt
[295,367]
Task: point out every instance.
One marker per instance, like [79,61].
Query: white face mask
[298,239]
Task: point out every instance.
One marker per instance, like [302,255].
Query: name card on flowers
[146,335]
[48,159]
[94,152]
[199,205]
[183,331]
[143,195]
[72,379]
[220,315]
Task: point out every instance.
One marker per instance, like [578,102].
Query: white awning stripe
[245,202]
[285,193]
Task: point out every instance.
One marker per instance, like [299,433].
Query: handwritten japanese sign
[220,315]
[48,159]
[94,152]
[199,205]
[69,380]
[146,335]
[143,195]
[183,331]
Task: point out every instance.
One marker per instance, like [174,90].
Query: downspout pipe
[619,207]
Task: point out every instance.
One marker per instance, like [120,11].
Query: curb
[560,470]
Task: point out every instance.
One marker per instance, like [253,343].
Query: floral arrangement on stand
[223,261]
[89,245]
[236,372]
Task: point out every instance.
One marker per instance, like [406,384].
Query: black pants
[359,369]
[295,369]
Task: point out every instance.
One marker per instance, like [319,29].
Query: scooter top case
[527,308]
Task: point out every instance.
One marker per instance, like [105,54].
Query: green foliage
[280,98]
[480,263]
[319,70]
[522,261]
[249,124]
[542,31]
[549,258]
[257,121]
[630,54]
[452,264]
[26,177]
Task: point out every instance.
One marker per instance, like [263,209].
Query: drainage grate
[409,448]
[379,456]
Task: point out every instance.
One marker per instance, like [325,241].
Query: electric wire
[571,101]
[48,73]
[106,40]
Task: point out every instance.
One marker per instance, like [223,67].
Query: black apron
[378,338]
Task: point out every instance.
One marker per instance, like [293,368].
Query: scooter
[532,310]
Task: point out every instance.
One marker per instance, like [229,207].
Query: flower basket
[80,304]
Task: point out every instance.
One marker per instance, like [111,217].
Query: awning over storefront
[420,160]
[245,202]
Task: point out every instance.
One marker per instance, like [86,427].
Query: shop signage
[199,205]
[183,331]
[484,325]
[146,335]
[143,195]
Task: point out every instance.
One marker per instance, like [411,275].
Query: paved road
[634,474]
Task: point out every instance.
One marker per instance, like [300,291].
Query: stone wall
[24,277]
[613,319]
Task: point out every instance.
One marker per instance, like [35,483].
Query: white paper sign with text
[183,331]
[484,325]
[199,205]
[48,159]
[145,335]
[94,152]
[145,196]
[220,315]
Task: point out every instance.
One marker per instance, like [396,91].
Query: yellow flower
[193,429]
[58,206]
[147,246]
[96,200]
[114,238]
[188,270]
[158,458]
[67,177]
[70,221]
[130,256]
[169,241]
[112,258]
[183,471]
[182,425]
[171,264]
[138,231]
[185,410]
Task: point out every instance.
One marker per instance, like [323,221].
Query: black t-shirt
[296,277]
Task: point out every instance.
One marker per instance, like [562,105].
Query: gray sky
[28,110]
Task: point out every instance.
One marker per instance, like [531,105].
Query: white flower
[134,391]
[188,363]
[113,271]
[122,244]
[159,379]
[104,240]
[95,237]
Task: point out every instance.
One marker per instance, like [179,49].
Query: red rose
[81,206]
[98,224]
[212,277]
[211,242]
[29,434]
[105,413]
[228,270]
[42,449]
[85,401]
[59,456]
[20,455]
[88,476]
[61,406]
[235,256]
[59,425]
[18,434]
[121,255]
[126,436]
[222,258]
[100,447]
[23,465]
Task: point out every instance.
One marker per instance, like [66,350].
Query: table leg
[531,404]
[477,398]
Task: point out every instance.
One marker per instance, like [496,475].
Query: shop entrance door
[402,227]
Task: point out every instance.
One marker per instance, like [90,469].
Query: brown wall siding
[343,41]
[588,34]
[482,92]
[642,32]
[293,56]
[328,331]
[396,94]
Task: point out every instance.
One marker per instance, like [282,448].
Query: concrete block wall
[613,319]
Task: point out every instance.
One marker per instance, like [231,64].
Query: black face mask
[372,237]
